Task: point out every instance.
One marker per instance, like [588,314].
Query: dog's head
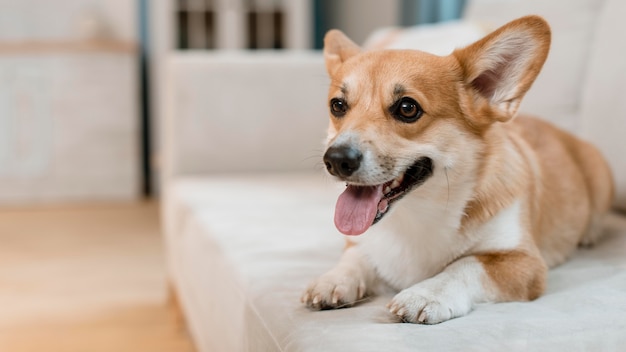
[401,117]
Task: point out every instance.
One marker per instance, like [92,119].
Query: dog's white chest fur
[420,238]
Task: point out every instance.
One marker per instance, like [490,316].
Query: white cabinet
[69,126]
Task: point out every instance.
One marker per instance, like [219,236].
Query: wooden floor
[85,278]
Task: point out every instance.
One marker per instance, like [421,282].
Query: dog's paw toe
[412,306]
[331,291]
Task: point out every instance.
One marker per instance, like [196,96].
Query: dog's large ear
[337,49]
[499,69]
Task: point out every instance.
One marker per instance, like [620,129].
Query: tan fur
[470,99]
[518,276]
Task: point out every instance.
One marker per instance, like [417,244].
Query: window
[241,24]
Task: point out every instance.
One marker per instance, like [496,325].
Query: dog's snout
[343,160]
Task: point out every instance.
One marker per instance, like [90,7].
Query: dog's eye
[338,107]
[407,110]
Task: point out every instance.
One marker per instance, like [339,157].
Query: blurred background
[79,78]
[82,94]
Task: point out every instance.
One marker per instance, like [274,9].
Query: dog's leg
[492,277]
[344,285]
[594,231]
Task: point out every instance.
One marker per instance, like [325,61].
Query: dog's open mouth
[359,207]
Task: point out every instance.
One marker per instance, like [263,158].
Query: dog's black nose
[342,160]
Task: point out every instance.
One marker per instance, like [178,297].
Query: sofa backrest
[244,112]
[254,112]
[556,94]
[603,104]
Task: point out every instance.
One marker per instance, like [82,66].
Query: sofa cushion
[243,248]
[438,38]
[557,93]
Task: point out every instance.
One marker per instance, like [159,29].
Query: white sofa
[248,209]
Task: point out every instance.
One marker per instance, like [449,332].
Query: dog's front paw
[420,305]
[334,290]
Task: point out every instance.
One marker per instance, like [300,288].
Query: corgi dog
[451,200]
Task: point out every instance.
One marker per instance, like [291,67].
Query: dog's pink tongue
[356,209]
